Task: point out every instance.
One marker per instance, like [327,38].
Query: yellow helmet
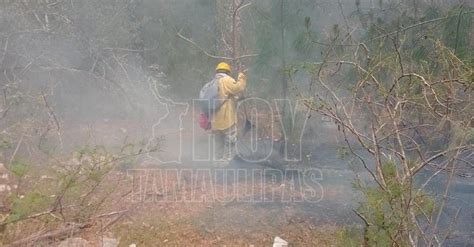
[223,66]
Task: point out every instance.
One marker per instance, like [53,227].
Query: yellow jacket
[226,116]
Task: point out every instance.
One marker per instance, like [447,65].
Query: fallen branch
[114,220]
[111,213]
[38,236]
[49,235]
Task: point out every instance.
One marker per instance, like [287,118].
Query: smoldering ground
[226,185]
[91,89]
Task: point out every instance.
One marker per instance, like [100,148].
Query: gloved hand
[241,76]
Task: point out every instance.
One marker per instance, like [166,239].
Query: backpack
[209,101]
[204,122]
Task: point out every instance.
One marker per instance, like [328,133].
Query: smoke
[112,72]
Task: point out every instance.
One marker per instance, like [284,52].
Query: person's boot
[220,163]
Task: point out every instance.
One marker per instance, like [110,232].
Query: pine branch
[413,26]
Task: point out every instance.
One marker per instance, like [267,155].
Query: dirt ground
[190,205]
[153,204]
[206,216]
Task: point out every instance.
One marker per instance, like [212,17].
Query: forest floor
[181,204]
[206,216]
[153,204]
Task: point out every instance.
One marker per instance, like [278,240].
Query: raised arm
[234,87]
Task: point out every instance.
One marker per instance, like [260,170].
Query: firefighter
[224,120]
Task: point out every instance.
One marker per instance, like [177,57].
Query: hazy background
[111,72]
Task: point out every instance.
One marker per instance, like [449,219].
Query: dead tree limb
[51,112]
[51,234]
[211,55]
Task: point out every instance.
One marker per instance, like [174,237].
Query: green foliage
[32,202]
[19,168]
[405,72]
[387,209]
[78,183]
[285,37]
[431,13]
[5,142]
[457,31]
[343,152]
[453,25]
[304,40]
[185,66]
[349,237]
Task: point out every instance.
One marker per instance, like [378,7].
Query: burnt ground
[260,209]
[193,202]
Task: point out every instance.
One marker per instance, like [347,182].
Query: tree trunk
[224,27]
[228,25]
[284,81]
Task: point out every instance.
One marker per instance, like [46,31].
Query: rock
[74,242]
[45,177]
[5,182]
[279,242]
[109,242]
[5,187]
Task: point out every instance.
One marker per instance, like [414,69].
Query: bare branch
[412,26]
[202,49]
